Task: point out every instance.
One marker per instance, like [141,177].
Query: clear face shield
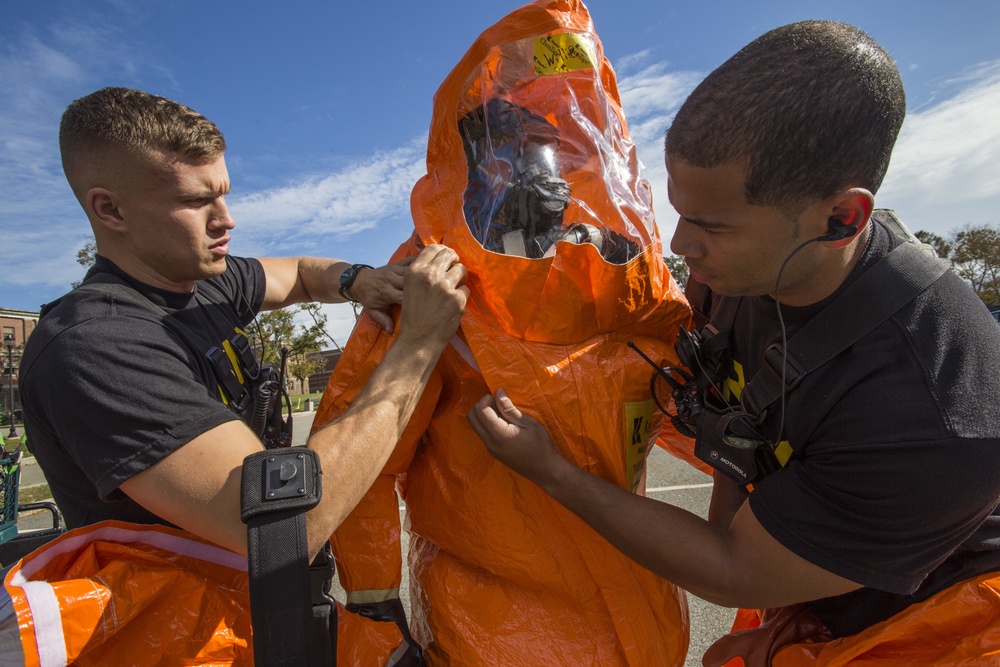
[516,198]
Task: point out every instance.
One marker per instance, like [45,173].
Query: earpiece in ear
[838,230]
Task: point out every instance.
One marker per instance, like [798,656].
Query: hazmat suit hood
[533,179]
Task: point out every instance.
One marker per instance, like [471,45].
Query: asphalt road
[667,479]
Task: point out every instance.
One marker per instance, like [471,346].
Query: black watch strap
[348,277]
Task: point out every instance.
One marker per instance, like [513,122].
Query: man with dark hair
[857,465]
[140,387]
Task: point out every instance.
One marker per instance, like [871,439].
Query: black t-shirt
[111,386]
[895,478]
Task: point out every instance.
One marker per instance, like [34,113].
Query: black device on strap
[294,617]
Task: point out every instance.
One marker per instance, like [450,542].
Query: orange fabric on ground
[958,626]
[116,593]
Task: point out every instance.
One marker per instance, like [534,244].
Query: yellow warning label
[564,52]
[638,428]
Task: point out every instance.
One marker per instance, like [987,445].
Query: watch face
[347,277]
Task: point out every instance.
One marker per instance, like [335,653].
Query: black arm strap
[294,618]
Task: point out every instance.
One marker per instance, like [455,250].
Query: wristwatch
[348,277]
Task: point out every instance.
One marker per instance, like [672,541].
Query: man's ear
[851,207]
[102,206]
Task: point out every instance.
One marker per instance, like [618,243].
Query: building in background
[16,326]
[317,381]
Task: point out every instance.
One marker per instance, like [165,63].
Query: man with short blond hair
[128,381]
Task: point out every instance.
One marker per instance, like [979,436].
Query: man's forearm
[669,541]
[321,278]
[354,448]
[727,498]
[292,280]
[737,565]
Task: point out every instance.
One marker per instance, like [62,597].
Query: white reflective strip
[180,545]
[47,620]
[680,487]
[463,349]
[397,655]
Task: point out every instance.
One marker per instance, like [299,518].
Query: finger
[425,256]
[477,426]
[443,257]
[506,407]
[383,320]
[406,261]
[399,270]
[484,402]
[476,414]
[396,280]
[457,273]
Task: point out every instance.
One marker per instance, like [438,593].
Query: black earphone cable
[784,332]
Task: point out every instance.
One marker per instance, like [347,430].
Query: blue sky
[325,107]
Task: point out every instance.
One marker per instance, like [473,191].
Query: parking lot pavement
[668,480]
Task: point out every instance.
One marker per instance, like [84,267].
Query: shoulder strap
[873,298]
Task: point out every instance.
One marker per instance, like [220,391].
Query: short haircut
[808,108]
[136,123]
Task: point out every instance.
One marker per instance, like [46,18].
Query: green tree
[941,247]
[303,366]
[315,312]
[678,269]
[277,330]
[976,258]
[86,257]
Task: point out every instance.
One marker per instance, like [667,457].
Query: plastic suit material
[533,180]
[116,593]
[958,626]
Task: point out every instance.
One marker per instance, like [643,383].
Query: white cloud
[331,206]
[943,173]
[650,98]
[339,322]
[42,223]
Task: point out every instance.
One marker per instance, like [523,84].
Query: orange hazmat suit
[533,179]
